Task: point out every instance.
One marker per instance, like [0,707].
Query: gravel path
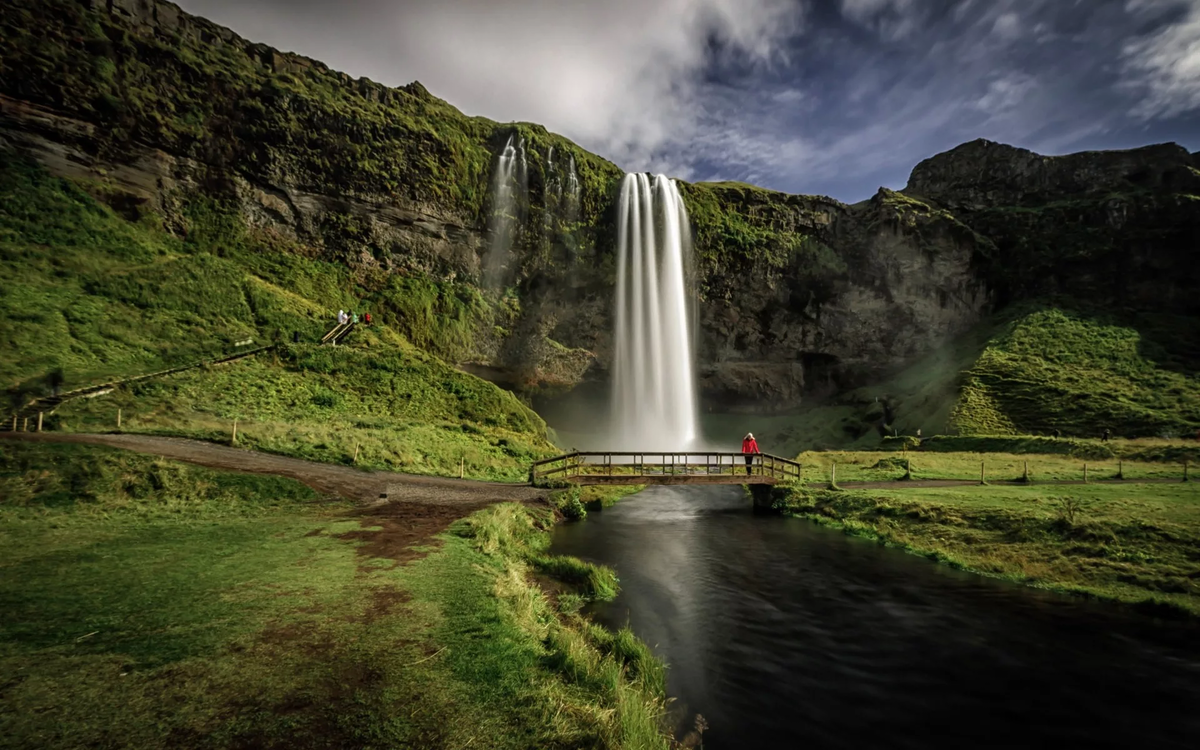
[354,484]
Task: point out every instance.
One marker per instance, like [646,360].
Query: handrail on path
[664,467]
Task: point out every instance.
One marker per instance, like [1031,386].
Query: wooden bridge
[664,468]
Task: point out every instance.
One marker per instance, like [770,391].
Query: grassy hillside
[98,295]
[1055,369]
[1034,369]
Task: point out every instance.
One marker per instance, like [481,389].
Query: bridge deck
[627,479]
[612,468]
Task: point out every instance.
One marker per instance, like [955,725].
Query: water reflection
[781,633]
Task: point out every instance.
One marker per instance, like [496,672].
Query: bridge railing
[662,464]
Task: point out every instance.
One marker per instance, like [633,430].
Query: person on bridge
[750,448]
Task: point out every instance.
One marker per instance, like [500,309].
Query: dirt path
[330,479]
[409,508]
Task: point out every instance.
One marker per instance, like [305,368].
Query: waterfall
[571,195]
[510,192]
[654,396]
[551,197]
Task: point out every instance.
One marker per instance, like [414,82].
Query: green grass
[98,297]
[1035,369]
[405,410]
[877,466]
[1054,369]
[1128,543]
[153,605]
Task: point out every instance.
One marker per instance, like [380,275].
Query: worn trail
[406,509]
[353,484]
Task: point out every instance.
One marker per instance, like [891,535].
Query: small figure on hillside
[55,380]
[1107,434]
[1057,433]
[367,318]
[341,317]
[354,317]
[750,448]
[918,433]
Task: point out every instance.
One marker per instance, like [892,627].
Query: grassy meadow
[150,604]
[1131,542]
[880,466]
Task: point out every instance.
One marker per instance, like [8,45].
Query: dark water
[783,634]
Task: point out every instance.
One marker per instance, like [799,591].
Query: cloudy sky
[835,97]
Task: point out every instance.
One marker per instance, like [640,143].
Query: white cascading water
[654,395]
[552,197]
[510,189]
[572,192]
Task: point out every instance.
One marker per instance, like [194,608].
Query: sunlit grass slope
[1036,369]
[100,296]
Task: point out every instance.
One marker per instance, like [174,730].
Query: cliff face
[156,111]
[1113,228]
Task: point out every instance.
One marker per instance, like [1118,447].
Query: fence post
[1120,468]
[39,429]
[833,475]
[118,419]
[1085,473]
[982,474]
[25,425]
[462,466]
[14,429]
[1185,470]
[355,459]
[233,440]
[1025,476]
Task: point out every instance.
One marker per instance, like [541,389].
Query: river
[784,634]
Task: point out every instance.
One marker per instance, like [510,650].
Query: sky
[830,97]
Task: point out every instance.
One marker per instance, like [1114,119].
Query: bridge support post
[764,497]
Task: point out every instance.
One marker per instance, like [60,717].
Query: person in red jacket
[749,447]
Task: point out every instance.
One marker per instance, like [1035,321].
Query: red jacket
[749,445]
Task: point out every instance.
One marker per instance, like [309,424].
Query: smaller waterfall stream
[654,398]
[510,191]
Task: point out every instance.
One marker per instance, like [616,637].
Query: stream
[785,634]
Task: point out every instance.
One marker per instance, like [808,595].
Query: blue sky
[835,97]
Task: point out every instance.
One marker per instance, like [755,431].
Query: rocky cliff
[158,111]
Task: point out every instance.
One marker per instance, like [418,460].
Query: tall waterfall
[510,191]
[654,396]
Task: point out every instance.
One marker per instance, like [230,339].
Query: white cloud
[1007,26]
[1164,66]
[1004,94]
[893,20]
[622,77]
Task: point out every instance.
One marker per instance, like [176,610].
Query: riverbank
[153,604]
[1133,543]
